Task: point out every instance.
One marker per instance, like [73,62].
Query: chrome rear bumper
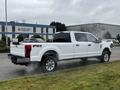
[19,60]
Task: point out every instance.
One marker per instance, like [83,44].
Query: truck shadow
[77,63]
[61,66]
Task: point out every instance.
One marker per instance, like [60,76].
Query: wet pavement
[11,71]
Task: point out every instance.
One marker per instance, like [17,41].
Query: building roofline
[25,24]
[13,33]
[94,23]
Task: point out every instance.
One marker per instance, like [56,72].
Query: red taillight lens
[27,51]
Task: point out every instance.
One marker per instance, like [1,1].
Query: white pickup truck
[66,45]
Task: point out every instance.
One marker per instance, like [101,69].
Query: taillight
[27,51]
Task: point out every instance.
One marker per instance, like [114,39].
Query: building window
[34,29]
[47,34]
[3,30]
[13,30]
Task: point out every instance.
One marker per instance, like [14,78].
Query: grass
[92,77]
[3,48]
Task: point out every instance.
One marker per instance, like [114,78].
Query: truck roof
[72,32]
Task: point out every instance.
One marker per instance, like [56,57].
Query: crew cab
[66,45]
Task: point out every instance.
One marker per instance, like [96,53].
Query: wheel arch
[50,53]
[107,49]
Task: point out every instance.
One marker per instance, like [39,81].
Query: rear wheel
[105,57]
[49,64]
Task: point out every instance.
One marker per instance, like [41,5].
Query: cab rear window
[62,37]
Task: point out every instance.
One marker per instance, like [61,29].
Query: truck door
[81,45]
[63,41]
[93,47]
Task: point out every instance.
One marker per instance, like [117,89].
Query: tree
[4,40]
[107,35]
[118,38]
[59,26]
[20,37]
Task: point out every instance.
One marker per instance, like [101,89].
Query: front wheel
[84,59]
[105,57]
[49,64]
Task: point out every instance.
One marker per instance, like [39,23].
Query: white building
[14,29]
[98,29]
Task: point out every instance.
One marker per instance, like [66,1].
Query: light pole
[6,20]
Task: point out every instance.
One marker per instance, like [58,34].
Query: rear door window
[81,37]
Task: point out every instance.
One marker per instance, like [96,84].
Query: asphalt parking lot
[11,71]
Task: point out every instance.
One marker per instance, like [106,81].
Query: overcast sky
[70,12]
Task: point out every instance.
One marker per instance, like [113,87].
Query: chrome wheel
[106,57]
[50,65]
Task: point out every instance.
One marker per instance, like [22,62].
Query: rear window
[62,37]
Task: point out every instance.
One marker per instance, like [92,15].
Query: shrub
[3,47]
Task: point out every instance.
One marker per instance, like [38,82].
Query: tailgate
[18,50]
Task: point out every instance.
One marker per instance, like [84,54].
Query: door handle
[89,44]
[77,44]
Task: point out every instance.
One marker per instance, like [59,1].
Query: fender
[106,45]
[44,50]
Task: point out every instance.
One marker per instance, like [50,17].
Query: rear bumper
[18,59]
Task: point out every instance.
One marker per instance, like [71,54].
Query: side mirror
[98,40]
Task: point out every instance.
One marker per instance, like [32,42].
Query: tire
[105,57]
[49,64]
[84,59]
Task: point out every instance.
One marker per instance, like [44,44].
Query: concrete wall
[97,29]
[0,31]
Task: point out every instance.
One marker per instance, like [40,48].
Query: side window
[62,37]
[80,37]
[91,38]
